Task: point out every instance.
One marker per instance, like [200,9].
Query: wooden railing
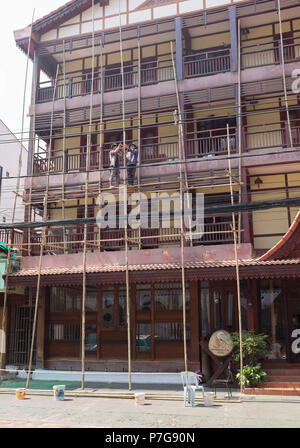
[80,85]
[207,63]
[17,237]
[269,52]
[200,64]
[113,239]
[207,143]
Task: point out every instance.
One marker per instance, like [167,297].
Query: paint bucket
[139,399]
[20,394]
[59,393]
[209,399]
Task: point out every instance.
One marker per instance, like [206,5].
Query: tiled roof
[154,267]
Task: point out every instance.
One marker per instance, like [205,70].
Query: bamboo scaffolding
[238,284]
[9,258]
[64,140]
[182,236]
[139,125]
[284,75]
[43,242]
[239,125]
[88,155]
[125,206]
[101,125]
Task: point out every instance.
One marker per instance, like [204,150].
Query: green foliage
[252,376]
[255,347]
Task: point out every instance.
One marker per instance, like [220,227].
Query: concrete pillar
[179,48]
[233,38]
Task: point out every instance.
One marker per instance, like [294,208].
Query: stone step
[284,378]
[286,391]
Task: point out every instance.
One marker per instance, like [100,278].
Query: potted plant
[255,347]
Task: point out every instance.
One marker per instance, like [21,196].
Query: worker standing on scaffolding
[114,159]
[132,154]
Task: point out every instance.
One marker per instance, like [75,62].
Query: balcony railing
[257,54]
[207,143]
[200,64]
[207,63]
[72,241]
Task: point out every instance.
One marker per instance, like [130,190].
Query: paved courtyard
[74,412]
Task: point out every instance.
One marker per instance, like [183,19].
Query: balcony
[202,63]
[113,240]
[154,150]
[257,54]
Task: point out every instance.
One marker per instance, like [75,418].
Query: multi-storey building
[234,63]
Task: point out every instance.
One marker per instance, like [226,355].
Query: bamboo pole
[64,142]
[83,306]
[45,212]
[125,207]
[239,126]
[283,75]
[182,235]
[238,284]
[101,137]
[9,258]
[139,127]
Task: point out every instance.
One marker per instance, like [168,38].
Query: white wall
[9,161]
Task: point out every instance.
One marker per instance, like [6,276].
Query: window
[91,300]
[64,300]
[171,331]
[108,300]
[64,332]
[143,298]
[143,337]
[205,311]
[122,310]
[169,297]
[91,338]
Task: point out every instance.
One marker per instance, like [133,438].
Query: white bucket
[139,399]
[209,399]
[59,393]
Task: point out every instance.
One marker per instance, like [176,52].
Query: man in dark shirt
[132,155]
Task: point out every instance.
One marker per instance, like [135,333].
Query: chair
[228,381]
[190,385]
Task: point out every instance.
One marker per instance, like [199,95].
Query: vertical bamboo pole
[239,128]
[101,136]
[43,241]
[139,127]
[9,258]
[64,145]
[86,198]
[283,75]
[238,284]
[125,206]
[182,236]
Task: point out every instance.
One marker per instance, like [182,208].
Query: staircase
[283,379]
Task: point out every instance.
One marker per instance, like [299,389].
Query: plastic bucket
[139,399]
[209,399]
[59,393]
[20,394]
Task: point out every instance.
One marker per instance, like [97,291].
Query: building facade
[234,81]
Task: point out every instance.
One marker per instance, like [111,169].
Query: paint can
[20,394]
[209,399]
[139,399]
[59,393]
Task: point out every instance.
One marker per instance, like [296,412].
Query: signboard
[220,343]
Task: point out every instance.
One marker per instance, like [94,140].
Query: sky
[14,15]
